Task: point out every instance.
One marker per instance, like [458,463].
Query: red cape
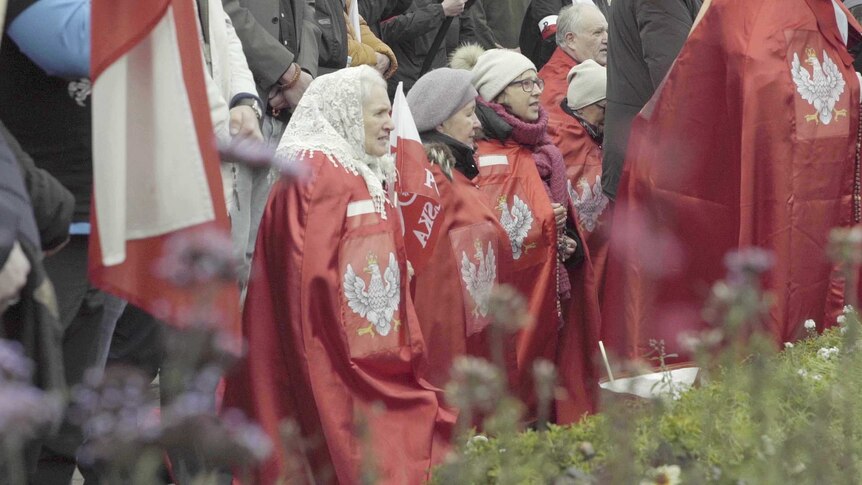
[554,74]
[508,175]
[314,358]
[579,340]
[726,155]
[450,299]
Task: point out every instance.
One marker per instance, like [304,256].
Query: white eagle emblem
[517,223]
[590,203]
[480,280]
[378,303]
[821,88]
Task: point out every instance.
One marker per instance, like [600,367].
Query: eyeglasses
[528,84]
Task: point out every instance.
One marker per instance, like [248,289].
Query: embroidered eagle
[378,303]
[480,279]
[821,88]
[516,223]
[590,203]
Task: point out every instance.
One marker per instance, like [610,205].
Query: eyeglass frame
[533,82]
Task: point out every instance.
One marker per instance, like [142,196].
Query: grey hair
[569,20]
[368,78]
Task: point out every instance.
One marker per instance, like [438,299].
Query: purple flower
[14,366]
[247,435]
[257,154]
[198,258]
[26,412]
[117,414]
[748,262]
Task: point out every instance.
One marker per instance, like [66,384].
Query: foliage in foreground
[757,416]
[789,417]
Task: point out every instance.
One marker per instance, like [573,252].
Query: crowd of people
[598,157]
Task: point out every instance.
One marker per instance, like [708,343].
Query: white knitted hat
[496,68]
[587,84]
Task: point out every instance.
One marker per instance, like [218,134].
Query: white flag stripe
[149,176]
[402,119]
[354,19]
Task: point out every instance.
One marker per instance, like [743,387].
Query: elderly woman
[332,331]
[474,254]
[576,129]
[524,173]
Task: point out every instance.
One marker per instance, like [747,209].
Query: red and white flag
[418,196]
[155,164]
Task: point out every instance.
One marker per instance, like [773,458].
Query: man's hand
[559,215]
[244,124]
[295,92]
[287,98]
[453,8]
[382,63]
[13,277]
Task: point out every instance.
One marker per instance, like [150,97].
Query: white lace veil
[328,120]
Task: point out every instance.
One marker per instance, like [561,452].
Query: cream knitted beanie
[587,84]
[496,68]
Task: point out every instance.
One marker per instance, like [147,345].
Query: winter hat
[587,84]
[493,70]
[438,95]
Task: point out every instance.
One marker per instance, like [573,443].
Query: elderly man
[582,34]
[541,23]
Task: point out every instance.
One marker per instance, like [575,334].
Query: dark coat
[532,45]
[33,321]
[274,36]
[411,33]
[644,38]
[52,204]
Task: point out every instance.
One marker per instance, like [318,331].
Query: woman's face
[521,102]
[462,125]
[378,123]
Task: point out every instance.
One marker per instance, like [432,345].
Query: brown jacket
[365,52]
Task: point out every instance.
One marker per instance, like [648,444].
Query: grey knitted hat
[438,95]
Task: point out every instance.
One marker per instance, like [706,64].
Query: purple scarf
[549,163]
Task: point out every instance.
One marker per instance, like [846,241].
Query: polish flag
[418,196]
[155,164]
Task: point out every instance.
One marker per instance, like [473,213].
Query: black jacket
[52,204]
[411,33]
[644,38]
[33,321]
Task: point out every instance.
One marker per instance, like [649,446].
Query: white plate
[650,385]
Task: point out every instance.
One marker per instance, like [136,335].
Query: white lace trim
[328,120]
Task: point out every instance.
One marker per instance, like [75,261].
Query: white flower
[817,377]
[827,353]
[848,309]
[802,372]
[841,320]
[788,345]
[810,325]
[663,475]
[843,330]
